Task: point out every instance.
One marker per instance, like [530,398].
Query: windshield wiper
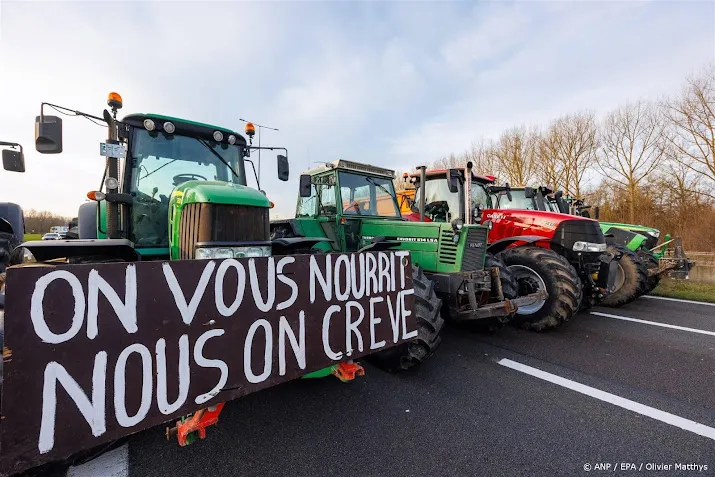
[372,181]
[219,156]
[160,167]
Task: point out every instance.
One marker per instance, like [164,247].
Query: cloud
[572,56]
[393,83]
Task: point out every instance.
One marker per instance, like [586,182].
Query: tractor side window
[308,206]
[480,198]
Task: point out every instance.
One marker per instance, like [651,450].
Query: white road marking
[680,300]
[668,418]
[114,463]
[655,323]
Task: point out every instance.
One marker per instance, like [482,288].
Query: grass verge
[685,290]
[32,237]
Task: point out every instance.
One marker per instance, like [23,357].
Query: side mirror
[305,187]
[13,160]
[453,180]
[529,192]
[283,168]
[48,135]
[595,213]
[507,188]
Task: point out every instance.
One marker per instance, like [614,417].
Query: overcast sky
[389,83]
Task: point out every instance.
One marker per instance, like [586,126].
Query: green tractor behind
[455,275]
[640,239]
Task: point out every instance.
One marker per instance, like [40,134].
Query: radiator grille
[447,248]
[220,223]
[474,249]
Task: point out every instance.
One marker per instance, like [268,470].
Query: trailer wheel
[534,269]
[651,263]
[631,280]
[430,322]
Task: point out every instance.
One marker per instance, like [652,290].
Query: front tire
[632,278]
[429,321]
[534,269]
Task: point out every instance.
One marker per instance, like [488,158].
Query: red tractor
[564,255]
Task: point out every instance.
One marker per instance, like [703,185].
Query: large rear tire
[536,268]
[651,263]
[632,278]
[429,321]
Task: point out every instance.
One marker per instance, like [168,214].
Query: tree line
[40,221]
[649,162]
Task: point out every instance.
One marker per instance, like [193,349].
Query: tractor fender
[502,244]
[629,239]
[289,245]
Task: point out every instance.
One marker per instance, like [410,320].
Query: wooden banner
[101,351]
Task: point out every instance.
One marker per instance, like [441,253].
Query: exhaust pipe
[423,177]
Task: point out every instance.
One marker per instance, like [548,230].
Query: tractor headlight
[655,234]
[457,224]
[589,247]
[203,253]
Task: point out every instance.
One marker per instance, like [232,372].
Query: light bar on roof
[366,168]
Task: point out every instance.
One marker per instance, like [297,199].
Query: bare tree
[692,120]
[447,162]
[549,169]
[515,154]
[572,141]
[632,146]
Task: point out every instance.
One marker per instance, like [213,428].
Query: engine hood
[197,191]
[535,220]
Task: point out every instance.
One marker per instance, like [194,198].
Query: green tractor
[455,275]
[640,239]
[182,195]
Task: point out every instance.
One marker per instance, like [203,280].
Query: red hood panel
[513,222]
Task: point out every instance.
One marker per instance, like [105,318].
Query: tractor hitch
[187,428]
[348,371]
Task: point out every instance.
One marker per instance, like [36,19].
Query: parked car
[51,236]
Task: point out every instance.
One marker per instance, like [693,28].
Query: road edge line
[654,323]
[657,414]
[680,300]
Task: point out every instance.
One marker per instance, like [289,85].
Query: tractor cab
[338,196]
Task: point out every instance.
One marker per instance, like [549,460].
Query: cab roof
[183,126]
[346,165]
[438,172]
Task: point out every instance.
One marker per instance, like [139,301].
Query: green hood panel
[220,193]
[635,228]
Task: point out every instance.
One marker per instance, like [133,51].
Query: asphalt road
[480,406]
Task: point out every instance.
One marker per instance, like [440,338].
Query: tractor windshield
[441,205]
[367,195]
[159,163]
